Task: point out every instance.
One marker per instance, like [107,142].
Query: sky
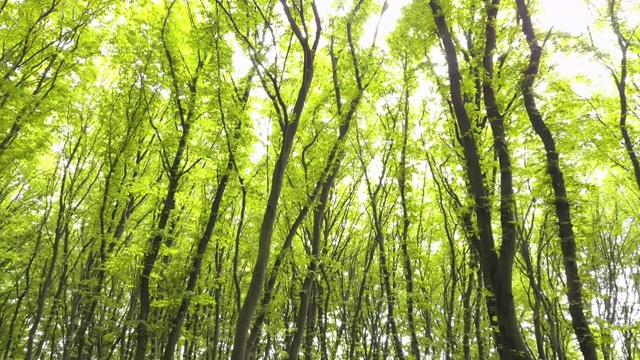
[569,16]
[573,17]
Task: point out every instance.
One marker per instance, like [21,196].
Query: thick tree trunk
[509,328]
[496,270]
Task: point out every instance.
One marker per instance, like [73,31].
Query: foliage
[270,179]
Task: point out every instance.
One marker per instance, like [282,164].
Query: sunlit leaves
[99,93]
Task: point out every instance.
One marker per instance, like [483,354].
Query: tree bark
[404,239]
[567,240]
[326,183]
[289,129]
[621,85]
[496,269]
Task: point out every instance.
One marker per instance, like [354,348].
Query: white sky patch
[388,21]
[241,62]
[325,9]
[387,24]
[571,16]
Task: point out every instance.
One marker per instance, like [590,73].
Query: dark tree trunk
[289,129]
[567,241]
[176,324]
[496,269]
[404,239]
[621,84]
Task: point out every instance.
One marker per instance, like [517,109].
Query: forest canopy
[365,179]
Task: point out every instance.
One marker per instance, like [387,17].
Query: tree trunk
[289,129]
[567,241]
[496,270]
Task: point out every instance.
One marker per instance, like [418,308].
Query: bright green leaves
[40,45]
[101,92]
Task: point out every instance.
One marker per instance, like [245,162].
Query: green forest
[296,179]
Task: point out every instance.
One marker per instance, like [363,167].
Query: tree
[305,179]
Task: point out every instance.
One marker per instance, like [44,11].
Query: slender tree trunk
[311,333]
[621,85]
[478,317]
[386,281]
[9,347]
[176,327]
[402,179]
[217,295]
[185,110]
[353,337]
[289,129]
[567,240]
[306,291]
[151,254]
[88,314]
[326,182]
[467,317]
[536,305]
[61,229]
